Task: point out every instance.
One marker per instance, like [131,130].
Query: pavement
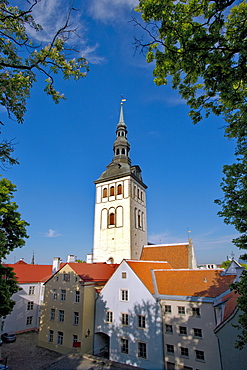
[25,354]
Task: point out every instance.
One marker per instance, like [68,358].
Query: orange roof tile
[197,283]
[176,254]
[28,273]
[93,271]
[143,271]
[231,304]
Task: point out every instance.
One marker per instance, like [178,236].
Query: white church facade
[120,226]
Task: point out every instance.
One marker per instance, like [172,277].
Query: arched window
[112,219]
[123,151]
[141,195]
[118,133]
[122,133]
[117,152]
[110,260]
[119,189]
[111,190]
[138,193]
[104,192]
[139,220]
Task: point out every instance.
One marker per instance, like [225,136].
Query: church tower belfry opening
[120,226]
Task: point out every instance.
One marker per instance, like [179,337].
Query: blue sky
[64,148]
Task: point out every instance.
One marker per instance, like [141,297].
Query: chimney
[71,258]
[56,264]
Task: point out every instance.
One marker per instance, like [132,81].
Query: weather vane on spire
[122,100]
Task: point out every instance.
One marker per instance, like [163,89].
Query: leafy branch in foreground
[21,60]
[202,45]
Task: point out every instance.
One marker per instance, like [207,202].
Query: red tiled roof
[93,271]
[230,305]
[28,273]
[143,271]
[197,283]
[176,254]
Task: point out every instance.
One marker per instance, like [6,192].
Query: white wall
[140,302]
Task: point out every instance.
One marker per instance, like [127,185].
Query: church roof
[176,254]
[196,283]
[29,273]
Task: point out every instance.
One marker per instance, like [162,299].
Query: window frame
[125,319]
[30,305]
[61,316]
[196,312]
[200,355]
[29,320]
[198,331]
[124,346]
[60,338]
[182,309]
[168,308]
[170,349]
[181,329]
[141,321]
[66,277]
[109,317]
[52,314]
[54,294]
[51,336]
[168,329]
[142,350]
[32,290]
[124,295]
[77,296]
[184,352]
[76,318]
[63,295]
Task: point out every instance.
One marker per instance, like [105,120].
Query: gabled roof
[93,272]
[230,304]
[143,271]
[175,254]
[28,273]
[197,283]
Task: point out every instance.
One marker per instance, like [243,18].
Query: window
[124,275]
[124,295]
[141,321]
[123,151]
[52,314]
[197,333]
[109,316]
[63,295]
[75,338]
[170,349]
[196,311]
[181,310]
[51,336]
[124,346]
[112,219]
[77,296]
[200,355]
[76,318]
[111,191]
[60,338]
[54,294]
[184,352]
[30,306]
[142,350]
[61,316]
[119,189]
[125,319]
[138,193]
[66,277]
[168,309]
[29,320]
[168,329]
[182,330]
[31,290]
[104,192]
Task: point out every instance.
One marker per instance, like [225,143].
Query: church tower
[120,226]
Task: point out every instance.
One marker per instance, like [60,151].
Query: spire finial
[122,100]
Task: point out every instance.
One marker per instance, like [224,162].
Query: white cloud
[106,10]
[51,234]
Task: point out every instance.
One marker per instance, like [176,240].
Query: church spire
[121,145]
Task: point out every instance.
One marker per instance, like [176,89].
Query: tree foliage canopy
[21,60]
[12,235]
[202,45]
